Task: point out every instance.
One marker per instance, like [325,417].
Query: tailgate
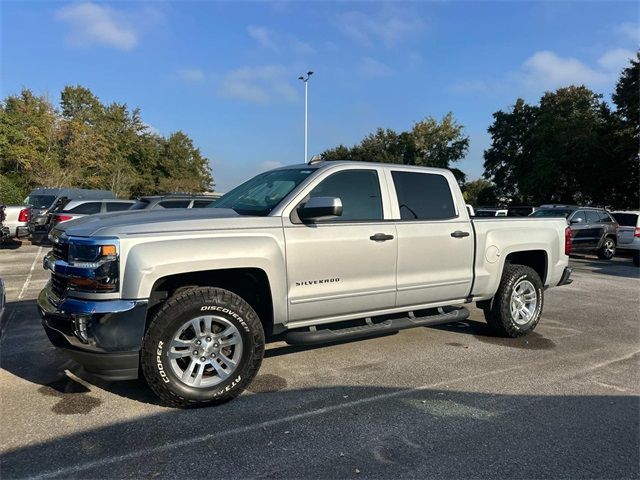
[625,235]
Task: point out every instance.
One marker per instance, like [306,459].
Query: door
[580,234]
[435,241]
[595,228]
[347,264]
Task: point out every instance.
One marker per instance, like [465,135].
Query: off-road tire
[191,303]
[498,312]
[602,253]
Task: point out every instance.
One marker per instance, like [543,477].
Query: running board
[313,336]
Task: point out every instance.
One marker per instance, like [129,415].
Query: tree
[626,96]
[429,143]
[480,192]
[566,149]
[89,144]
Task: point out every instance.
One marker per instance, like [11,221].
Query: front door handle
[381,237]
[459,234]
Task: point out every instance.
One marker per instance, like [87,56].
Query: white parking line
[28,279]
[24,288]
[74,470]
[103,462]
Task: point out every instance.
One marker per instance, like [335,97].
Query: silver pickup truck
[307,254]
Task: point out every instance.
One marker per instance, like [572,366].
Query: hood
[160,221]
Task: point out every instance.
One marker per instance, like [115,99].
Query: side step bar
[313,336]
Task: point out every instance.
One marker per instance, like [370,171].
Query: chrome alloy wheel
[524,301]
[609,248]
[205,351]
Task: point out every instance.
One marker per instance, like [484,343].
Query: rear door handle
[459,234]
[381,237]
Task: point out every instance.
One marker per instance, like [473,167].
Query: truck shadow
[482,332]
[369,432]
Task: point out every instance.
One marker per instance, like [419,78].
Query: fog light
[80,324]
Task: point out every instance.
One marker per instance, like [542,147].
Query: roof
[323,164]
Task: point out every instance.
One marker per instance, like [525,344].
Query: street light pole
[306,96]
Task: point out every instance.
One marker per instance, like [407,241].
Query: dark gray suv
[592,229]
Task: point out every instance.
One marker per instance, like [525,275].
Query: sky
[226,73]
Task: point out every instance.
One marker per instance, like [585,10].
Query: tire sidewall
[535,281]
[159,338]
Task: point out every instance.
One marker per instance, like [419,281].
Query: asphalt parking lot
[449,401]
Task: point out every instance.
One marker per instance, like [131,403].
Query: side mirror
[576,220]
[317,208]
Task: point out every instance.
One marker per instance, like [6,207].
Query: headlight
[90,253]
[93,267]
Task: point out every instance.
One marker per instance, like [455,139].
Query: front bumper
[103,336]
[566,277]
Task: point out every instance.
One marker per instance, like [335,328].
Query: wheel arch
[252,284]
[535,259]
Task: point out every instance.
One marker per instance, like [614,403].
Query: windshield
[40,201]
[552,212]
[260,195]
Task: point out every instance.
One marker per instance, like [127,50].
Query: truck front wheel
[204,346]
[515,309]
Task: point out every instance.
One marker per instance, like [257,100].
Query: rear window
[626,219]
[117,206]
[519,211]
[423,196]
[552,212]
[174,203]
[40,201]
[88,208]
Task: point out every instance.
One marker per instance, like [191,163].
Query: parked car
[174,200]
[520,211]
[80,208]
[3,303]
[4,231]
[592,229]
[309,254]
[44,200]
[490,212]
[629,233]
[16,220]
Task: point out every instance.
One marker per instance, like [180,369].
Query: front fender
[148,261]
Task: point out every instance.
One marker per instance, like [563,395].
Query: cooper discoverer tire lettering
[203,347]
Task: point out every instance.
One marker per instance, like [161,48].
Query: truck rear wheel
[203,347]
[515,309]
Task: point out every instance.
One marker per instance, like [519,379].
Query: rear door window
[423,196]
[88,208]
[593,216]
[118,206]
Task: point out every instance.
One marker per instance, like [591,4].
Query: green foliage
[570,148]
[92,145]
[429,143]
[10,191]
[480,192]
